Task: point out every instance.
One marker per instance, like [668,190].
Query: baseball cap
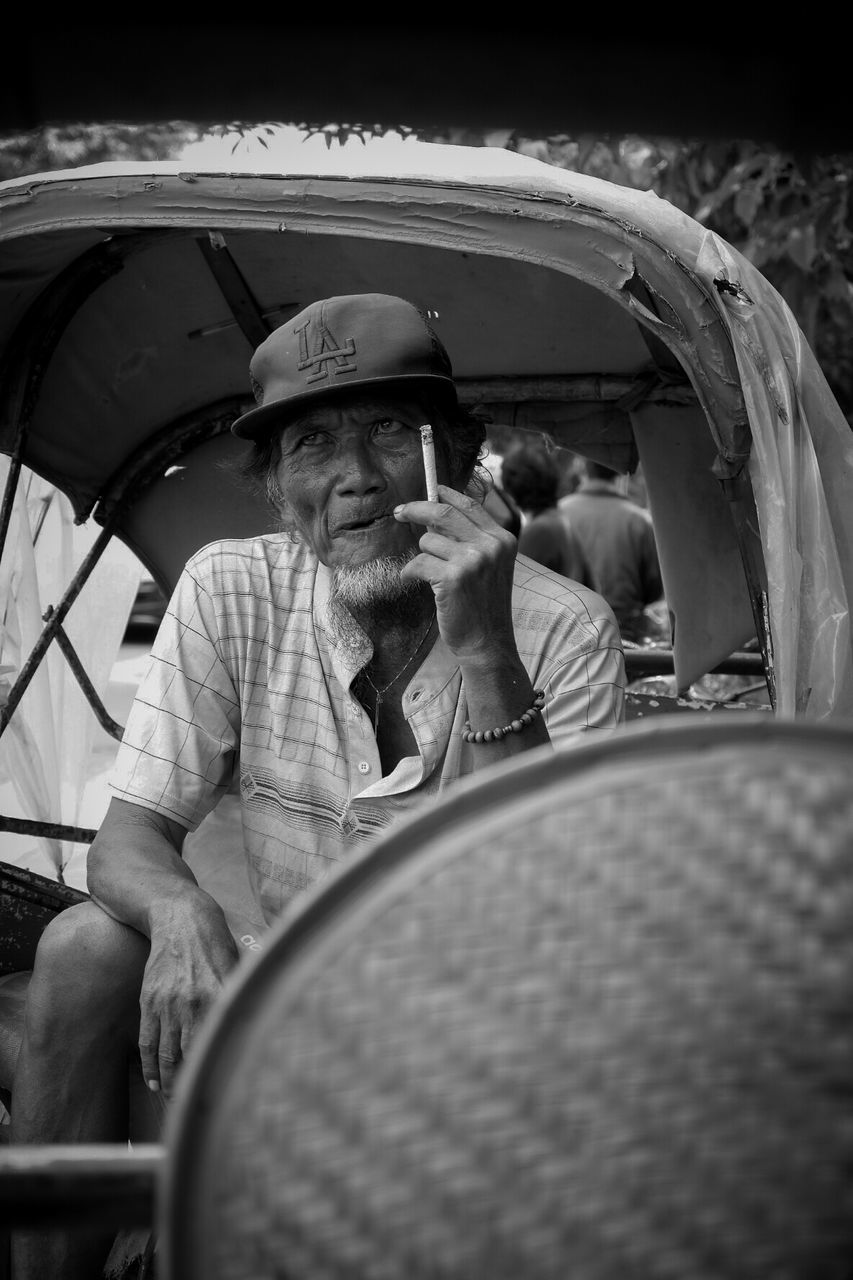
[357,340]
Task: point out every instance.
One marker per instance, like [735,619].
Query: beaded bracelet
[515,726]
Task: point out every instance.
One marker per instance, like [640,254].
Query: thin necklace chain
[380,692]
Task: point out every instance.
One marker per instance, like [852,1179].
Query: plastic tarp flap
[46,748]
[800,468]
[702,570]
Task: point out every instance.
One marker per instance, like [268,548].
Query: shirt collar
[598,486]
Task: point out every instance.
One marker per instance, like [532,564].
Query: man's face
[345,465]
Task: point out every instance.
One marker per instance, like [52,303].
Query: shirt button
[363,766]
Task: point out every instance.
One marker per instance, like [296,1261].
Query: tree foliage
[789,215]
[55,147]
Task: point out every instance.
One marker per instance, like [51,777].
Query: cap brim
[261,422]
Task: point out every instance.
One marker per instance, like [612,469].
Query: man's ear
[477,484]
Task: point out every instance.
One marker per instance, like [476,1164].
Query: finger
[149,1045]
[462,551]
[428,568]
[169,1058]
[454,515]
[462,502]
[428,513]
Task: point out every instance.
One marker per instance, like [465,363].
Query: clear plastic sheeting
[45,750]
[801,467]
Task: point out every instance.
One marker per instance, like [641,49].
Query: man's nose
[359,470]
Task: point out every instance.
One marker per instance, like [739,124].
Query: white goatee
[376,582]
[375,592]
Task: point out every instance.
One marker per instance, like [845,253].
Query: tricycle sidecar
[132,296]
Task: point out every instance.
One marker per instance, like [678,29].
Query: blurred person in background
[618,542]
[499,504]
[530,477]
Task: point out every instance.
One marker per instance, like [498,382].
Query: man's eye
[311,439]
[388,427]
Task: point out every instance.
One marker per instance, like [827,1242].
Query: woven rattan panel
[603,1030]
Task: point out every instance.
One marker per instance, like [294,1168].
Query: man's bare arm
[134,859]
[468,559]
[136,874]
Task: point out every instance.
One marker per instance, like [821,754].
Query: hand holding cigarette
[429,463]
[468,561]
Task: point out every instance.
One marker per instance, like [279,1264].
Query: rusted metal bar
[11,487]
[113,728]
[651,661]
[236,292]
[23,369]
[24,366]
[145,465]
[28,903]
[48,830]
[554,387]
[738,492]
[57,616]
[79,1186]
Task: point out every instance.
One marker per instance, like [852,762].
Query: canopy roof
[132,296]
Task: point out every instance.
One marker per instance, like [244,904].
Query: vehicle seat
[587,1016]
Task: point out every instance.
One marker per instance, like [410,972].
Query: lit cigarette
[429,463]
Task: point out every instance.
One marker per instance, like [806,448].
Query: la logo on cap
[326,349]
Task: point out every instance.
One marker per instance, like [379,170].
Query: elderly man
[343,671]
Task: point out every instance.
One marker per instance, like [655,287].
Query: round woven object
[591,1016]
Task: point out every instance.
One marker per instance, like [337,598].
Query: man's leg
[71,1080]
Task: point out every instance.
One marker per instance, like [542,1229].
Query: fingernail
[397,510]
[153,1085]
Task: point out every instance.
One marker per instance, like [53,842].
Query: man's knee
[88,967]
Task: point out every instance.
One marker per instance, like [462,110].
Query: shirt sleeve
[570,643]
[586,689]
[180,744]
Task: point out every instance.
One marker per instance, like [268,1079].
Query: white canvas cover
[46,749]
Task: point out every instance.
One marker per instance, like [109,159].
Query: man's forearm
[136,874]
[497,693]
[135,871]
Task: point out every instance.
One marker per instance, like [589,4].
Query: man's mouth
[358,526]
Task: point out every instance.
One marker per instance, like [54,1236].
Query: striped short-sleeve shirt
[246,689]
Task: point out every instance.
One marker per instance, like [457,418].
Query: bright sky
[287,144]
[289,149]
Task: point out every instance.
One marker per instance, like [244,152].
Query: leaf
[838,286]
[801,246]
[497,137]
[586,145]
[537,148]
[747,202]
